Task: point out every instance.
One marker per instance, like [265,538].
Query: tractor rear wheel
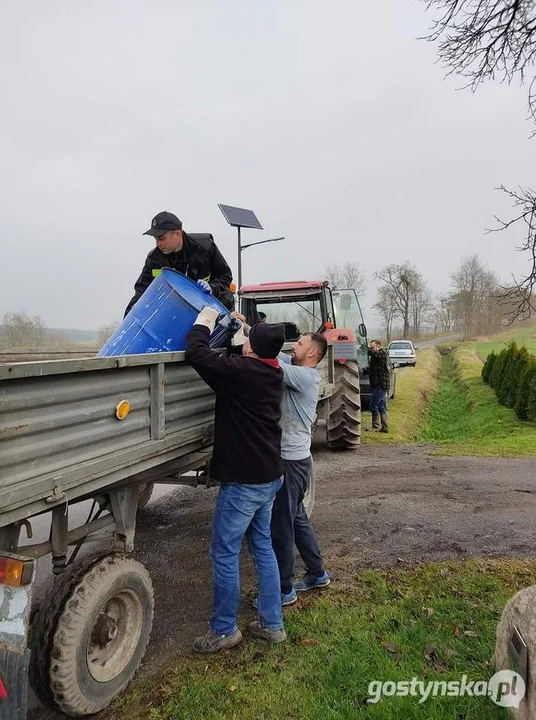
[344,421]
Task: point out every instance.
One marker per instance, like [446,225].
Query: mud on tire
[344,422]
[90,634]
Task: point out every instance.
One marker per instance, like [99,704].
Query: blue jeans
[377,400]
[240,510]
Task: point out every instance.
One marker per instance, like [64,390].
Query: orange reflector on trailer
[15,572]
[122,410]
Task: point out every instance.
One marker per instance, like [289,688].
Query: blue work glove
[205,287]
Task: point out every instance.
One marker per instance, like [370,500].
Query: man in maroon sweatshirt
[247,462]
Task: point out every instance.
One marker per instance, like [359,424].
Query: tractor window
[348,313]
[299,316]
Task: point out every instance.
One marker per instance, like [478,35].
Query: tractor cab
[310,307]
[301,306]
[313,306]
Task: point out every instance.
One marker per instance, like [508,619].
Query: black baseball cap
[163,223]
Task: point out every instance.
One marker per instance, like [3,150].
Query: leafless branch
[486,39]
[519,296]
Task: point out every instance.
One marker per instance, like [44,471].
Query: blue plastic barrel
[163,317]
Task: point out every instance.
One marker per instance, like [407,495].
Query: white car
[402,352]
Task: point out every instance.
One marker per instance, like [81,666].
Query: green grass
[377,625]
[414,389]
[465,418]
[522,335]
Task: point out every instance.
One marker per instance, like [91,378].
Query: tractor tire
[344,421]
[309,499]
[146,490]
[90,634]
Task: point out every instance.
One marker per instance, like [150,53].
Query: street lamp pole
[240,218]
[261,242]
[239,258]
[241,248]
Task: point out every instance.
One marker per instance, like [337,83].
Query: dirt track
[376,507]
[382,505]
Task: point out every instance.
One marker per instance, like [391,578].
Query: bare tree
[20,330]
[475,297]
[420,303]
[485,39]
[345,277]
[402,281]
[386,309]
[519,296]
[496,40]
[445,313]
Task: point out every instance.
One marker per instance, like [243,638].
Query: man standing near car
[380,378]
[194,255]
[247,462]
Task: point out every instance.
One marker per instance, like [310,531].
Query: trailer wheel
[309,499]
[91,634]
[146,491]
[344,421]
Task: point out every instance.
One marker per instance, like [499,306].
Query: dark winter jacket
[379,368]
[199,259]
[247,434]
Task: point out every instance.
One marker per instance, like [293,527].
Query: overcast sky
[331,121]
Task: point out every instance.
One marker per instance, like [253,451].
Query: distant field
[522,335]
[15,355]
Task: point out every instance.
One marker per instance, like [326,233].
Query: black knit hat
[266,339]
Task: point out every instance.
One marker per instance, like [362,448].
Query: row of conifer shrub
[512,374]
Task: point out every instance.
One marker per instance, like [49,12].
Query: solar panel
[240,217]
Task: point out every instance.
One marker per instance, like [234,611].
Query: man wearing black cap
[247,463]
[195,255]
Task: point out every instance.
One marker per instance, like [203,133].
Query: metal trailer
[98,429]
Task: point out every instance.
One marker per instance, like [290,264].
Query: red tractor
[315,307]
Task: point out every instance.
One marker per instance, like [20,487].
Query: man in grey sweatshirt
[290,526]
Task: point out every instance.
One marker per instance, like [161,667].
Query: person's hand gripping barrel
[207,317]
[204,286]
[243,331]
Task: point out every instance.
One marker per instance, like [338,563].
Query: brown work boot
[375,423]
[385,427]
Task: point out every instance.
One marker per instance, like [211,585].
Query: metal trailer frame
[62,442]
